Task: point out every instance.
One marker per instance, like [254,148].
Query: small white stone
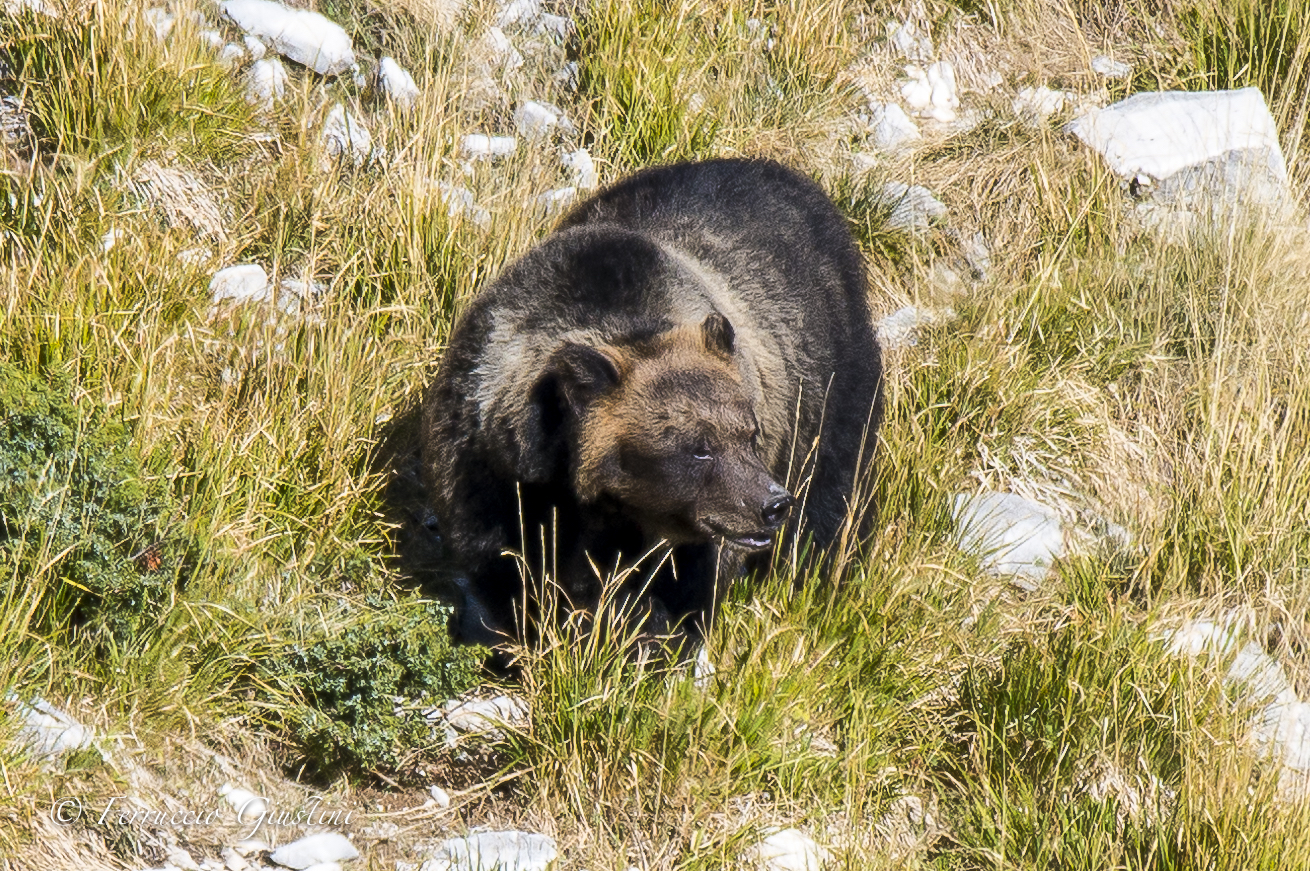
[1010,534]
[111,238]
[1110,68]
[248,847]
[397,83]
[703,670]
[479,145]
[179,858]
[535,120]
[440,796]
[917,92]
[558,27]
[161,20]
[914,208]
[249,807]
[583,169]
[459,202]
[345,136]
[494,851]
[315,850]
[46,730]
[892,129]
[518,11]
[486,717]
[557,200]
[909,41]
[305,37]
[788,850]
[1040,103]
[266,83]
[502,50]
[943,97]
[232,55]
[212,38]
[901,328]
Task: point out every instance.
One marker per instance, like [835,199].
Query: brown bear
[642,387]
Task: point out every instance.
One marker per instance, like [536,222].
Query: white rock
[161,20]
[558,27]
[901,328]
[703,671]
[567,76]
[40,7]
[479,145]
[535,120]
[907,39]
[518,11]
[248,847]
[324,866]
[557,200]
[1157,134]
[247,282]
[315,850]
[179,858]
[788,850]
[1012,535]
[305,37]
[231,55]
[111,238]
[396,82]
[944,99]
[253,45]
[1040,103]
[46,730]
[1283,730]
[346,137]
[249,807]
[917,92]
[485,717]
[266,83]
[494,851]
[459,201]
[501,49]
[583,169]
[211,37]
[1110,68]
[914,208]
[440,796]
[892,129]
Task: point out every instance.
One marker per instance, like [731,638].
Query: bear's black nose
[775,510]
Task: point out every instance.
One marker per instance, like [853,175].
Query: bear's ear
[584,373]
[718,335]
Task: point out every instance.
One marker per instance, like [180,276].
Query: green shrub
[76,520]
[344,683]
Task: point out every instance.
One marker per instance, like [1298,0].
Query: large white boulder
[305,37]
[1158,134]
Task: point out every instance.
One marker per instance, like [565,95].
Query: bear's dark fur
[682,345]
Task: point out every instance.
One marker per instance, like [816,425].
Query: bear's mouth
[755,540]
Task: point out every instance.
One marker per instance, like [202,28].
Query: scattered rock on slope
[1206,154]
[305,37]
[494,851]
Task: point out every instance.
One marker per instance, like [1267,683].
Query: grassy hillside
[207,555]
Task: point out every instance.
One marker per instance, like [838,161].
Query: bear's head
[664,429]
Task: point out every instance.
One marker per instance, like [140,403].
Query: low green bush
[342,685]
[77,521]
